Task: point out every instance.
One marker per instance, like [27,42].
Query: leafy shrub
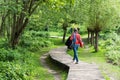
[111,39]
[36,44]
[40,34]
[34,40]
[21,67]
[8,55]
[111,35]
[34,36]
[12,71]
[113,57]
[21,63]
[83,29]
[111,43]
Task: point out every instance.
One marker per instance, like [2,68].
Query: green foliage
[9,55]
[40,40]
[42,34]
[110,35]
[11,71]
[10,68]
[111,44]
[113,57]
[83,29]
[110,39]
[102,14]
[22,64]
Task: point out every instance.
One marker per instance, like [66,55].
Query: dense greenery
[26,27]
[111,44]
[23,62]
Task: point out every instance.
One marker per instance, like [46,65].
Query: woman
[76,42]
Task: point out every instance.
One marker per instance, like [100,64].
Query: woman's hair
[75,29]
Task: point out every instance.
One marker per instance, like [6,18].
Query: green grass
[60,34]
[55,33]
[57,41]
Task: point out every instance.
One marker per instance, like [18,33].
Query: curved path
[81,71]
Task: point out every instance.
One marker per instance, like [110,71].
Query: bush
[9,54]
[111,43]
[34,40]
[113,57]
[111,35]
[12,71]
[21,63]
[18,64]
[111,39]
[40,34]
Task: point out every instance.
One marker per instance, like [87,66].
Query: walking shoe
[73,60]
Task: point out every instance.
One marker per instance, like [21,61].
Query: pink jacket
[78,39]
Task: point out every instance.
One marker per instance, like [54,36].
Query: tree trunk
[16,33]
[64,34]
[96,41]
[8,28]
[13,30]
[92,38]
[65,25]
[88,36]
[2,27]
[20,22]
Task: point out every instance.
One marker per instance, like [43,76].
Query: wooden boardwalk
[80,71]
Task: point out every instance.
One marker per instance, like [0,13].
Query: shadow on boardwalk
[81,71]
